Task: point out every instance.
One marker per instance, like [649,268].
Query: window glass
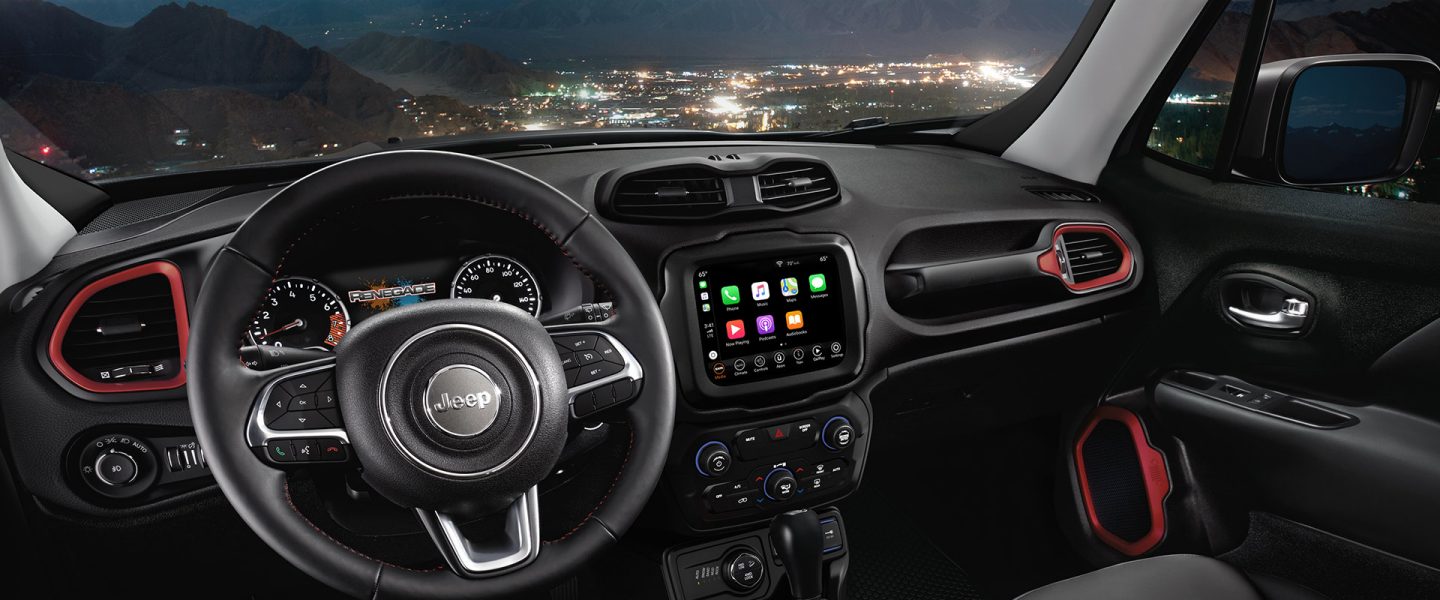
[1193,117]
[107,89]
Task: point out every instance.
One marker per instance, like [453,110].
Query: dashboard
[786,322]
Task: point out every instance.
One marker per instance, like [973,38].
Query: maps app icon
[789,286]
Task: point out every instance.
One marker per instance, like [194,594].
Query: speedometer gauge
[302,313]
[498,278]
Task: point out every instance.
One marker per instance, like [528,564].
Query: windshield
[106,89]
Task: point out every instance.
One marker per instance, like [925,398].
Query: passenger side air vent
[1087,257]
[124,332]
[796,183]
[1090,256]
[1064,194]
[676,192]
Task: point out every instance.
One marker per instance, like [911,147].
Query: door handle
[1291,317]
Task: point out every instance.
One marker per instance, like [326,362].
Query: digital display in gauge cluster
[317,312]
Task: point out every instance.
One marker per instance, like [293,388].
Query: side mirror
[1337,120]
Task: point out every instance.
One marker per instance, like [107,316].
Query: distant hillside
[1407,26]
[424,65]
[183,84]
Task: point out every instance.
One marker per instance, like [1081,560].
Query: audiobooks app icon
[794,320]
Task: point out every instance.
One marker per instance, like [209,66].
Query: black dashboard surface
[889,194]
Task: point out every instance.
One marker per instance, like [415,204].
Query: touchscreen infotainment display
[770,317]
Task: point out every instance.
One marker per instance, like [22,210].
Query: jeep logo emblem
[462,400]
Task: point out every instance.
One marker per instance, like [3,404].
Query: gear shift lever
[797,539]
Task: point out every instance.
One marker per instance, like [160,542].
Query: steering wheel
[456,409]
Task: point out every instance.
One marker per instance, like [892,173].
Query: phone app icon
[794,320]
[789,287]
[760,290]
[735,329]
[765,324]
[730,294]
[817,283]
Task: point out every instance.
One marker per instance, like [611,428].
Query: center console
[772,338]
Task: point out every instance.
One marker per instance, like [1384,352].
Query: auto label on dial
[301,313]
[498,278]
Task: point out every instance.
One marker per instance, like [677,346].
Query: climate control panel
[734,474]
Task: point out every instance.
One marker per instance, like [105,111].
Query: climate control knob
[780,484]
[838,433]
[713,459]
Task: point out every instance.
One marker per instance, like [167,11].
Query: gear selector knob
[800,544]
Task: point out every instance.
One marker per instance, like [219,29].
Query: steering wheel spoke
[296,418]
[510,546]
[600,371]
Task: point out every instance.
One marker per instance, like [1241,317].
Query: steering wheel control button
[743,570]
[567,359]
[597,371]
[280,451]
[116,468]
[333,450]
[713,459]
[304,402]
[306,384]
[780,485]
[299,421]
[576,343]
[839,434]
[462,400]
[608,352]
[326,399]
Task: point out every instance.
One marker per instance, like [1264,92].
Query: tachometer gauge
[301,313]
[498,278]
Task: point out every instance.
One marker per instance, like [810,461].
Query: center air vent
[124,332]
[1087,257]
[677,192]
[796,183]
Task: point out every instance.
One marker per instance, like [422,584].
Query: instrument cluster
[355,266]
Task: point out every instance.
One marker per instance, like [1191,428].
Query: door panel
[1370,268]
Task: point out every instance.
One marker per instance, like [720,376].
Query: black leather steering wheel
[388,368]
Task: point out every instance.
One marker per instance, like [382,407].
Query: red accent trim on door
[1152,468]
[182,329]
[1049,262]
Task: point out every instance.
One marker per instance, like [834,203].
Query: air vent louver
[124,332]
[794,183]
[681,192]
[1090,256]
[1064,194]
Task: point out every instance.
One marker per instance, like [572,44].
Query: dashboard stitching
[358,553]
[613,483]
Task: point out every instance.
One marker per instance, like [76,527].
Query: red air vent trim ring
[182,329]
[1049,261]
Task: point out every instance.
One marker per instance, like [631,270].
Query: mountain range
[1406,26]
[191,84]
[463,71]
[717,29]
